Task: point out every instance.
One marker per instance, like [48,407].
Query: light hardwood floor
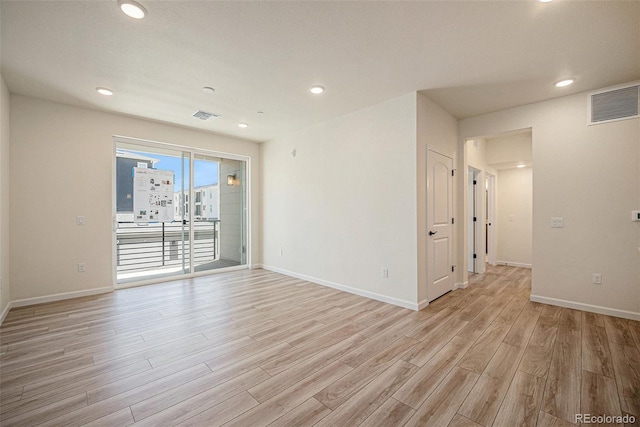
[254,348]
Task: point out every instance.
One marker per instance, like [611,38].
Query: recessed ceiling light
[132,9]
[104,91]
[563,83]
[316,89]
[208,89]
[545,1]
[243,125]
[521,165]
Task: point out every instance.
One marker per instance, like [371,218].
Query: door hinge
[453,268]
[475,219]
[475,256]
[453,221]
[475,182]
[453,172]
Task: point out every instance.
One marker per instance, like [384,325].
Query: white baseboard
[513,264]
[463,285]
[58,297]
[587,307]
[5,312]
[345,288]
[256,266]
[422,304]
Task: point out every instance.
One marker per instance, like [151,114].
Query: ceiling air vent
[617,104]
[203,115]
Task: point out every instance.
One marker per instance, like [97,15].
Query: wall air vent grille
[203,115]
[615,104]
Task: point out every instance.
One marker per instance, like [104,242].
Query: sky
[205,172]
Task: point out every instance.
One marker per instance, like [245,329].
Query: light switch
[557,222]
[80,220]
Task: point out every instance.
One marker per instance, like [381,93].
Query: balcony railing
[165,246]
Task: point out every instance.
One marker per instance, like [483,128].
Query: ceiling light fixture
[545,1]
[243,125]
[563,83]
[317,89]
[521,165]
[104,91]
[208,89]
[132,9]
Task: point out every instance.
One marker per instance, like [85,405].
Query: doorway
[177,211]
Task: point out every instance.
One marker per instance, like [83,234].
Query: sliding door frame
[193,151]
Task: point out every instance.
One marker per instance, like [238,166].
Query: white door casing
[439,224]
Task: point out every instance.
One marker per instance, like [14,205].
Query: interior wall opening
[502,233]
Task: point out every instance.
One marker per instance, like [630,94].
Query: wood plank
[338,392]
[226,383]
[521,404]
[359,407]
[596,356]
[460,421]
[618,331]
[548,420]
[522,328]
[195,397]
[418,388]
[626,365]
[599,395]
[537,357]
[291,398]
[307,414]
[122,400]
[562,393]
[390,413]
[434,341]
[121,418]
[483,402]
[217,415]
[441,407]
[479,356]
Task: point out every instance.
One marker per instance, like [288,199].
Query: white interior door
[439,227]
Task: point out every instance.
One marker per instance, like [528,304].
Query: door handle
[431,233]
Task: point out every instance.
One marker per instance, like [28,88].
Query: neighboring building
[206,203]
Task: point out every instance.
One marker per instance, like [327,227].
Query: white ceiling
[470,57]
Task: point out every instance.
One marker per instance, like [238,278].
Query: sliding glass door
[178,211]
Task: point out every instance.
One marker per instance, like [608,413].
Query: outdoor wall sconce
[231,179]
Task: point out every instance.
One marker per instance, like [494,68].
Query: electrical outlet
[80,220]
[281,252]
[81,267]
[597,278]
[557,222]
[385,272]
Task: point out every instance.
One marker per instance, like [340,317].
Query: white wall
[437,130]
[514,215]
[590,175]
[507,149]
[61,167]
[5,284]
[344,207]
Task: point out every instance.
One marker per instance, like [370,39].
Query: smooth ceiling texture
[469,57]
